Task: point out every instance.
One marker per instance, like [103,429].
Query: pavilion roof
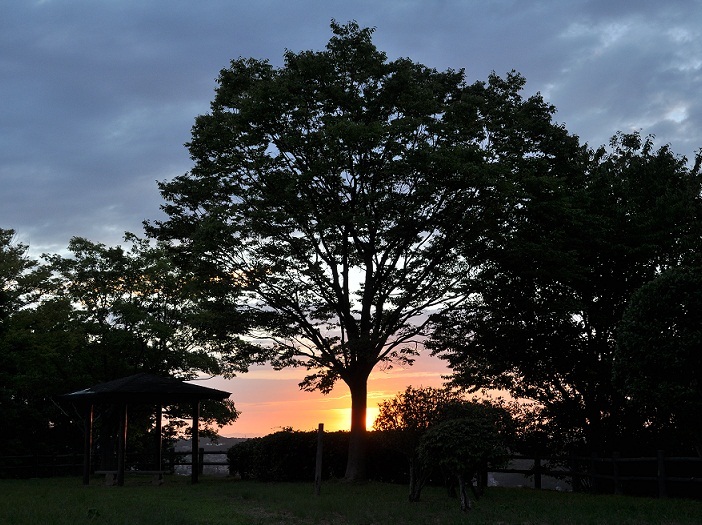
[146,388]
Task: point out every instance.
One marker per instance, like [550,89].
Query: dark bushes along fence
[290,456]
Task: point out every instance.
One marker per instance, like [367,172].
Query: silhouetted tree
[33,339]
[550,297]
[404,419]
[471,436]
[99,313]
[140,313]
[344,196]
[15,281]
[137,307]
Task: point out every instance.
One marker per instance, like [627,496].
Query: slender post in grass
[195,445]
[87,443]
[615,474]
[537,472]
[576,479]
[318,464]
[159,441]
[594,482]
[121,444]
[662,490]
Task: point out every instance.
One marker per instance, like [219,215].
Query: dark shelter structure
[140,389]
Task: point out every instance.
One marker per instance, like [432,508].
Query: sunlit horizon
[271,400]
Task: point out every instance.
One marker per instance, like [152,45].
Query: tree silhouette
[551,296]
[404,419]
[341,198]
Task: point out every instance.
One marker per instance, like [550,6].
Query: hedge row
[291,456]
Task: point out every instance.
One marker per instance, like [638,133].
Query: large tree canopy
[16,282]
[138,309]
[344,196]
[551,295]
[100,313]
[24,354]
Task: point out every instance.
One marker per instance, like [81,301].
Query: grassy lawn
[220,501]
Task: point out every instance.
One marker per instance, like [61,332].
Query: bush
[290,455]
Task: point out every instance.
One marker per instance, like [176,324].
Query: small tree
[404,420]
[465,445]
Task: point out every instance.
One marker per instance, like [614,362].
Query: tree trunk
[417,479]
[463,493]
[356,463]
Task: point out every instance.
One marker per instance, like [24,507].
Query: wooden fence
[50,465]
[660,476]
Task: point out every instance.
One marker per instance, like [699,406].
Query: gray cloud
[97,98]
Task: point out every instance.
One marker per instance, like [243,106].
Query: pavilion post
[159,438]
[121,443]
[87,443]
[145,389]
[195,442]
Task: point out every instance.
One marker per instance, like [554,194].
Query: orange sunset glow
[270,400]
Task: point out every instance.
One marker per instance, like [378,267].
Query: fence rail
[656,476]
[660,476]
[49,465]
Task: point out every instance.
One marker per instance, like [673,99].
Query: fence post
[484,479]
[87,444]
[318,464]
[594,482]
[537,472]
[615,473]
[201,460]
[575,473]
[662,490]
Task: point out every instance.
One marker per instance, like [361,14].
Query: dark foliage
[69,322]
[577,242]
[291,455]
[345,195]
[659,355]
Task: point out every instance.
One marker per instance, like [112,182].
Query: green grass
[219,501]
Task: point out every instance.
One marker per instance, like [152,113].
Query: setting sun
[270,400]
[340,418]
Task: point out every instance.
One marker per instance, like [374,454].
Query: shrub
[290,455]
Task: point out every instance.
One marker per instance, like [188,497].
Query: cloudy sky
[97,98]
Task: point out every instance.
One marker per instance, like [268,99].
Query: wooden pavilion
[141,389]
